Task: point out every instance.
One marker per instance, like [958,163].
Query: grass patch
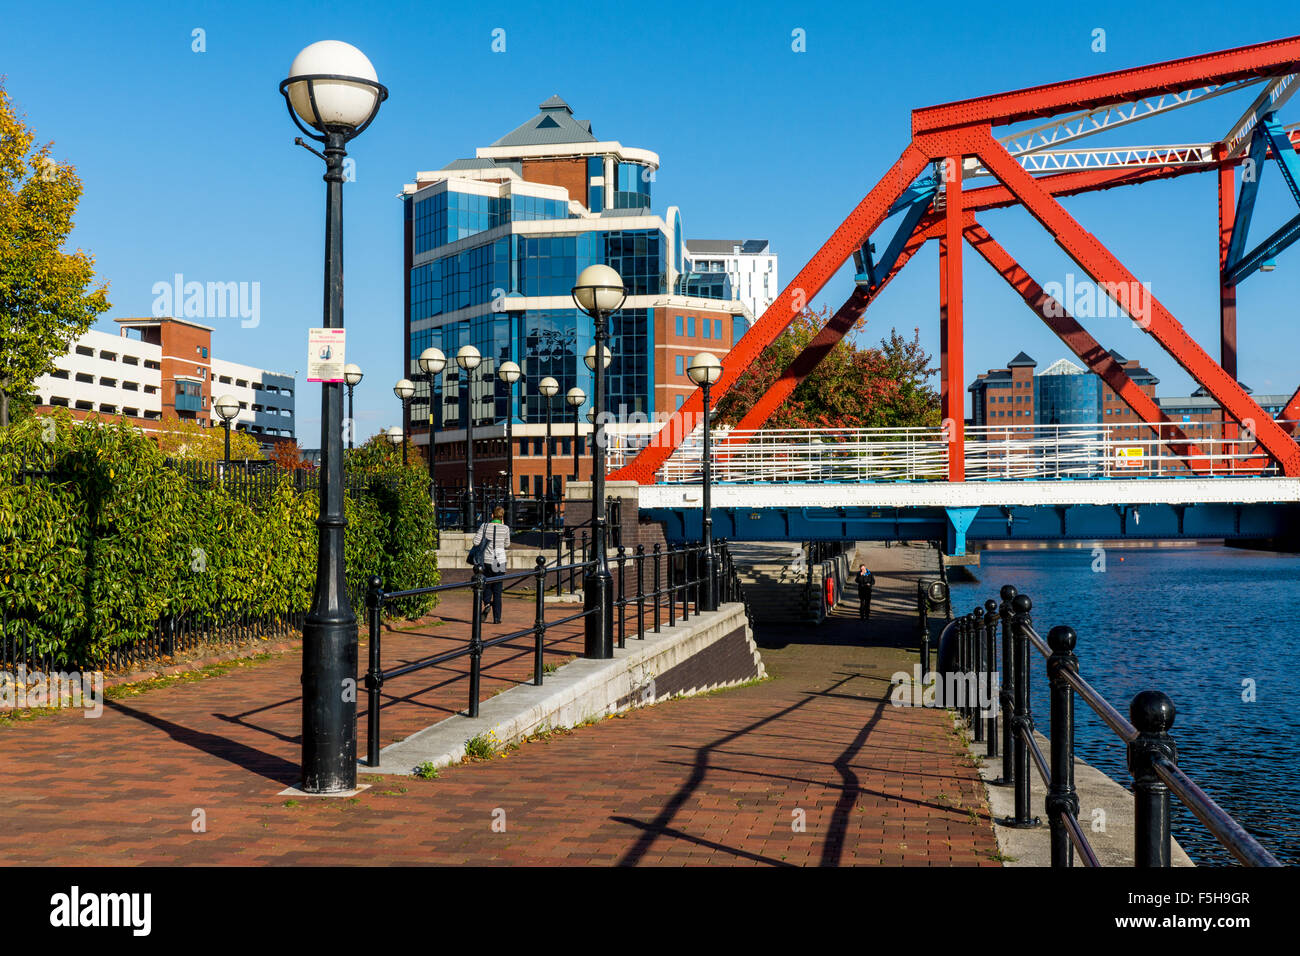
[482,746]
[427,771]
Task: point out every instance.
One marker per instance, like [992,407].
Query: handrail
[1234,837]
[1152,753]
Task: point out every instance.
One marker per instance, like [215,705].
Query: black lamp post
[226,407]
[352,376]
[432,362]
[599,292]
[548,388]
[405,391]
[704,370]
[510,372]
[468,359]
[332,94]
[575,397]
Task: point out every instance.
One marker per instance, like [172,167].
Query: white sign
[325,355]
[1128,457]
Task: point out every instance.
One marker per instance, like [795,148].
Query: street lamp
[510,372]
[704,370]
[468,359]
[575,397]
[352,376]
[395,435]
[226,407]
[548,388]
[432,362]
[332,94]
[599,292]
[404,389]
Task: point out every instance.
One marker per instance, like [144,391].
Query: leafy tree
[46,299]
[852,387]
[288,455]
[186,438]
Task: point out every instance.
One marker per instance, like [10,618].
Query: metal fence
[966,675]
[674,577]
[992,453]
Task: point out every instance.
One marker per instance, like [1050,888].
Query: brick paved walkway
[811,767]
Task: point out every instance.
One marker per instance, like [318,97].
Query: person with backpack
[865,581]
[489,550]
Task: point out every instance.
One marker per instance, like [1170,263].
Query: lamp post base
[598,592]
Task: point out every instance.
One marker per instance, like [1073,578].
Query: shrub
[112,540]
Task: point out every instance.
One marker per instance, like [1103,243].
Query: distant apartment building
[1067,394]
[1061,394]
[156,369]
[493,246]
[747,266]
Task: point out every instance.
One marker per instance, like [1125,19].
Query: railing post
[559,560]
[374,672]
[977,662]
[672,592]
[686,583]
[622,596]
[1007,691]
[475,638]
[1152,714]
[640,592]
[657,554]
[1022,720]
[988,702]
[539,621]
[572,544]
[923,624]
[1061,796]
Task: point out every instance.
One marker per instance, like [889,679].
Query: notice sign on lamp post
[325,358]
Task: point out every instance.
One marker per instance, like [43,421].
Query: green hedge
[93,556]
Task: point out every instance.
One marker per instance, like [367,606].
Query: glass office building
[494,246]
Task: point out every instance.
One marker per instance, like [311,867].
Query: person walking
[495,536]
[865,581]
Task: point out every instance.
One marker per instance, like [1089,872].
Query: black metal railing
[967,674]
[675,576]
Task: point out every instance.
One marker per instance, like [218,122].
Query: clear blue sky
[189,165]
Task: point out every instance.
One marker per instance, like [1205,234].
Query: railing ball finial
[1008,592]
[1062,638]
[990,607]
[1152,712]
[1020,603]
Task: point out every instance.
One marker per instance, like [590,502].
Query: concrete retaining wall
[709,651]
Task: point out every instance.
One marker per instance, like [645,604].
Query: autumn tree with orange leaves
[884,386]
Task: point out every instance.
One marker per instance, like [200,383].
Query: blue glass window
[707,328]
[681,325]
[633,186]
[717,328]
[681,365]
[690,326]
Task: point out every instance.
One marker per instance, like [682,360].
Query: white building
[266,399]
[158,368]
[747,264]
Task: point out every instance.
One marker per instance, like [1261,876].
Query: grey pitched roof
[554,124]
[472,164]
[1021,360]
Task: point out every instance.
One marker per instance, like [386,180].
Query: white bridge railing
[993,453]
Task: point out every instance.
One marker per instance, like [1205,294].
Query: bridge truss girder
[953,134]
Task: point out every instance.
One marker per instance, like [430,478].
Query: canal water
[1215,629]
